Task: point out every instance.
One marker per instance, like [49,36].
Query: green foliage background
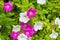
[45,13]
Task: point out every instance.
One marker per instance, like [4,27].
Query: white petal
[22,37]
[23,18]
[38,26]
[16,28]
[22,14]
[54,35]
[56,20]
[41,1]
[58,24]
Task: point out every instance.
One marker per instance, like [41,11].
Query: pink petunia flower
[8,6]
[29,31]
[14,35]
[31,12]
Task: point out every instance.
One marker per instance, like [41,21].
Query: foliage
[45,13]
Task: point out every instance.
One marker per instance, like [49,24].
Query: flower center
[52,27]
[24,16]
[22,36]
[31,14]
[7,6]
[15,34]
[24,26]
[27,33]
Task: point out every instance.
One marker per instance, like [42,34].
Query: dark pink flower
[8,6]
[23,25]
[31,12]
[29,31]
[14,35]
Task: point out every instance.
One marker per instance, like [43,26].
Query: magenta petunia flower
[31,12]
[8,6]
[23,25]
[29,31]
[14,35]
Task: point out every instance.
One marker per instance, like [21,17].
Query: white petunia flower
[41,1]
[16,28]
[22,37]
[38,26]
[57,21]
[54,35]
[23,18]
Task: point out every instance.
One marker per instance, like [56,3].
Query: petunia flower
[16,28]
[29,31]
[8,6]
[57,21]
[22,37]
[23,25]
[54,35]
[41,1]
[38,26]
[14,35]
[23,17]
[31,12]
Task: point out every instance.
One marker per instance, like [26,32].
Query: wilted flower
[41,1]
[38,26]
[16,28]
[23,17]
[8,6]
[31,12]
[14,35]
[52,27]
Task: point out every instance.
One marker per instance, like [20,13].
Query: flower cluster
[28,30]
